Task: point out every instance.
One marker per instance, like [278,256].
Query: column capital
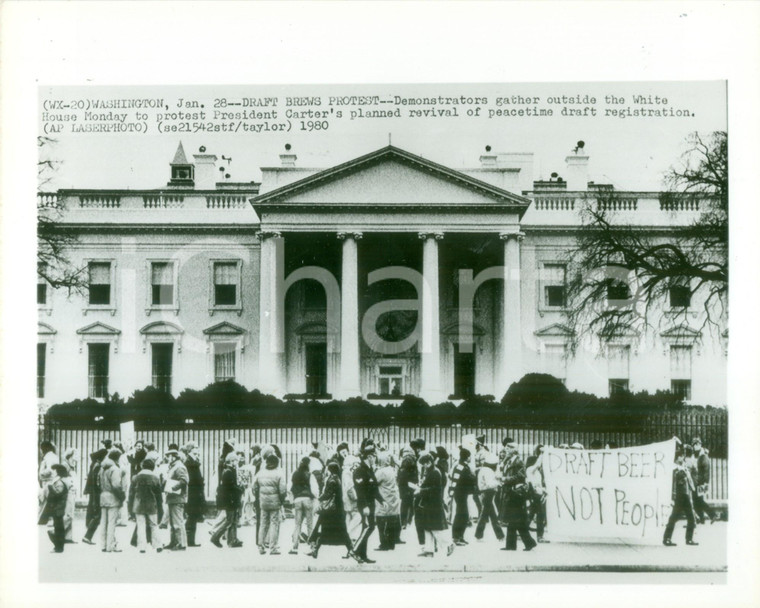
[269,234]
[438,236]
[353,234]
[505,236]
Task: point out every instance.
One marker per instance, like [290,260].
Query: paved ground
[477,562]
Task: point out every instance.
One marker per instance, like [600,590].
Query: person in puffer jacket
[271,490]
[387,511]
[112,496]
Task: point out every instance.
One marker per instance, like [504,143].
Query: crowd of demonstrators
[338,498]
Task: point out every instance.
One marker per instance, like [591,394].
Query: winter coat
[229,494]
[365,485]
[487,479]
[349,493]
[55,497]
[330,528]
[303,485]
[195,507]
[112,491]
[683,486]
[46,471]
[462,481]
[430,512]
[270,487]
[135,461]
[703,469]
[145,494]
[407,472]
[176,481]
[515,492]
[388,489]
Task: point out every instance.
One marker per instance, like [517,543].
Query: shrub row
[537,401]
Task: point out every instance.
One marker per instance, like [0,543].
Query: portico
[398,233]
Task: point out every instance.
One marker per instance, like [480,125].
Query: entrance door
[316,369]
[464,373]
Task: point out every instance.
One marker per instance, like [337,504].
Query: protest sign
[127,430]
[603,495]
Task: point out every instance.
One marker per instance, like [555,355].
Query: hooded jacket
[110,481]
[270,486]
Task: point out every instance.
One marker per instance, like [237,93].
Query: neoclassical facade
[386,275]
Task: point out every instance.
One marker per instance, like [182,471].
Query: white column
[348,381]
[271,315]
[510,368]
[430,345]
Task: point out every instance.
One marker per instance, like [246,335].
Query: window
[390,380]
[464,373]
[224,361]
[226,279]
[679,295]
[680,371]
[555,361]
[617,289]
[316,369]
[162,366]
[618,368]
[97,355]
[162,283]
[41,291]
[41,362]
[553,278]
[99,283]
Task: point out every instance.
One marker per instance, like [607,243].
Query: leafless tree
[621,275]
[54,240]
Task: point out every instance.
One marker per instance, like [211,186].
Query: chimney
[488,159]
[288,159]
[205,170]
[577,168]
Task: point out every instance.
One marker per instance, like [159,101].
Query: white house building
[352,280]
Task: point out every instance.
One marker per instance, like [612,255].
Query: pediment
[224,329]
[554,330]
[390,177]
[43,329]
[681,331]
[161,328]
[98,329]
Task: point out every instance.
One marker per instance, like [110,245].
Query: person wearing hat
[683,487]
[92,490]
[367,492]
[146,504]
[228,499]
[488,484]
[462,485]
[702,482]
[56,492]
[272,491]
[431,513]
[515,488]
[195,508]
[71,462]
[112,496]
[387,510]
[176,498]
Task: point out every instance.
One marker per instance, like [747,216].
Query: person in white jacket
[488,484]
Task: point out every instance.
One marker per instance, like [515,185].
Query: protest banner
[607,495]
[127,432]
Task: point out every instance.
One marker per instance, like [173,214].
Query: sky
[630,152]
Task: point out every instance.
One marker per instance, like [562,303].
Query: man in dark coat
[56,493]
[367,492]
[682,505]
[515,494]
[92,489]
[228,498]
[702,482]
[195,508]
[462,486]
